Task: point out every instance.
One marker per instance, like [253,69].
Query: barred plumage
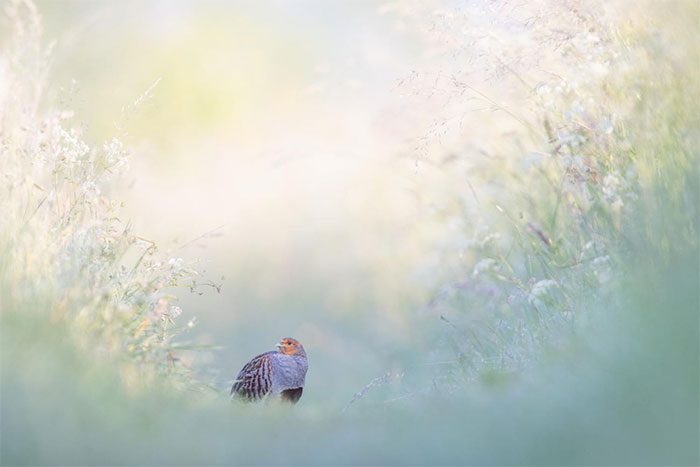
[279,373]
[254,380]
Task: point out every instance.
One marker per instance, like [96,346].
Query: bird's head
[289,346]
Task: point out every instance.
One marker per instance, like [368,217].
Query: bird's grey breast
[289,372]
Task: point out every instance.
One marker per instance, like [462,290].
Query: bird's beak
[278,345]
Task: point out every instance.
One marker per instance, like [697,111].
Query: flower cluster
[547,196]
[62,241]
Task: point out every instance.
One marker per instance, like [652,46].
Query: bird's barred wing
[254,381]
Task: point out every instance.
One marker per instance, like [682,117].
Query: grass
[565,319]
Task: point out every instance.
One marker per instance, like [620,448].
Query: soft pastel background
[480,218]
[276,127]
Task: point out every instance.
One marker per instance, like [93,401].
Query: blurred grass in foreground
[610,377]
[625,392]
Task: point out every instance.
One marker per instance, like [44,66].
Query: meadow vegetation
[563,309]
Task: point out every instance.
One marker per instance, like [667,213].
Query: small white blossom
[602,268]
[175,311]
[611,185]
[70,147]
[176,264]
[484,265]
[91,190]
[116,156]
[607,126]
[539,290]
[543,89]
[489,239]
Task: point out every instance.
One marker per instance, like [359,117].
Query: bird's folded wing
[254,380]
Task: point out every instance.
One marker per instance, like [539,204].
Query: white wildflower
[572,139]
[489,239]
[617,205]
[607,125]
[593,38]
[176,264]
[91,190]
[577,109]
[602,268]
[611,185]
[543,89]
[70,147]
[539,290]
[116,156]
[175,311]
[484,265]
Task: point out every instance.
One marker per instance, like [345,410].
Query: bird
[279,374]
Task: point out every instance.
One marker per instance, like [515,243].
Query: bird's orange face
[289,346]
